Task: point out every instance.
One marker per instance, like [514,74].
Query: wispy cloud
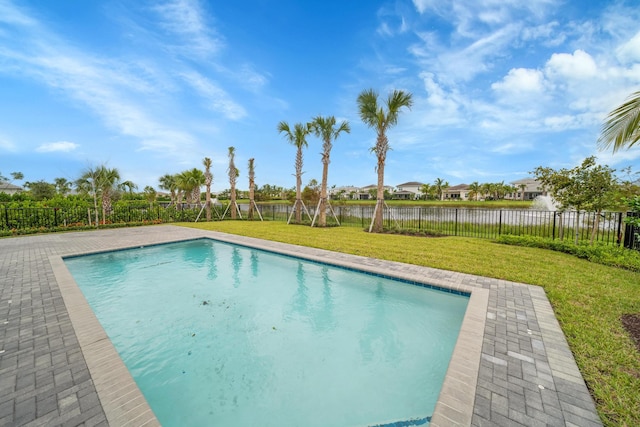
[186,24]
[216,98]
[60,146]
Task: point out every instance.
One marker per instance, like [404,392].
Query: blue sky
[152,87]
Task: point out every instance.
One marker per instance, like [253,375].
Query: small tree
[297,137]
[584,187]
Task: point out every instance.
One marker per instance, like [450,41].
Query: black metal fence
[609,227]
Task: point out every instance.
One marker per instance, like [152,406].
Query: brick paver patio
[511,366]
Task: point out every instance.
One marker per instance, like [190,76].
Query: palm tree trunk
[208,202]
[298,199]
[377,221]
[594,230]
[233,202]
[323,195]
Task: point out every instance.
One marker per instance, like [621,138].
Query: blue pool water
[223,335]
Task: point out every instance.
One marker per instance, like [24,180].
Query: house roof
[9,186]
[458,187]
[412,183]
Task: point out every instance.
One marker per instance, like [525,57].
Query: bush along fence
[609,227]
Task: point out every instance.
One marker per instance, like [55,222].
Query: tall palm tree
[622,126]
[252,184]
[375,116]
[168,182]
[325,129]
[233,176]
[208,180]
[297,137]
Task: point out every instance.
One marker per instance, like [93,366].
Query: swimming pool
[251,337]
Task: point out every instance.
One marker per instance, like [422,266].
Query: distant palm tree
[474,190]
[622,126]
[325,128]
[109,182]
[188,183]
[522,188]
[425,189]
[63,187]
[168,182]
[252,184]
[150,195]
[375,116]
[89,183]
[233,176]
[440,185]
[297,137]
[129,186]
[208,180]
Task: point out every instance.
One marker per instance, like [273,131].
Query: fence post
[500,223]
[553,232]
[455,227]
[6,215]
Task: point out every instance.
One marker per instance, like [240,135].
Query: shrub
[614,256]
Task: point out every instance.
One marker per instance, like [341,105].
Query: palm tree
[425,189]
[622,126]
[89,183]
[129,186]
[208,180]
[474,190]
[377,118]
[325,128]
[108,183]
[252,184]
[168,182]
[63,187]
[297,138]
[150,195]
[440,186]
[522,188]
[233,176]
[190,181]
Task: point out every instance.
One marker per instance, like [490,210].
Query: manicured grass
[588,298]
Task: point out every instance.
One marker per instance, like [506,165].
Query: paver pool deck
[511,365]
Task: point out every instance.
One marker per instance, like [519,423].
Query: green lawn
[588,298]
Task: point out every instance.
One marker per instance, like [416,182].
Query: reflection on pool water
[218,334]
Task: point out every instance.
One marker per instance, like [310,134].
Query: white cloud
[629,52]
[520,80]
[579,65]
[62,146]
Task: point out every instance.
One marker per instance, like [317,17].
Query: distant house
[10,189]
[456,192]
[364,193]
[532,189]
[408,191]
[344,193]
